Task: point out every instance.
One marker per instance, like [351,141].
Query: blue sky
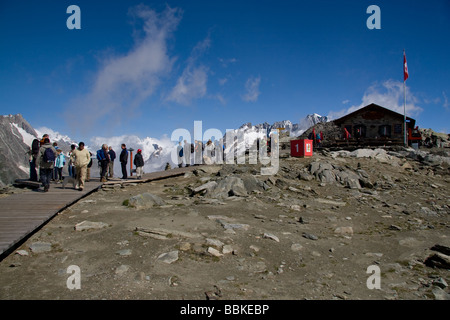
[150,67]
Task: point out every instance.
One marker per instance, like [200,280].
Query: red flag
[405,67]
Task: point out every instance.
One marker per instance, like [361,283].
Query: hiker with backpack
[46,161]
[103,159]
[318,140]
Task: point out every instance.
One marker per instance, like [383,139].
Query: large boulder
[252,184]
[144,200]
[240,185]
[230,186]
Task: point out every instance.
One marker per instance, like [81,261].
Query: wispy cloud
[192,84]
[446,104]
[222,81]
[388,94]
[220,98]
[252,89]
[226,62]
[123,82]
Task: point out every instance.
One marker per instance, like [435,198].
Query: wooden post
[131,161]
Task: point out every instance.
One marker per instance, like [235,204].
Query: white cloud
[226,62]
[223,81]
[252,89]
[192,84]
[123,82]
[389,95]
[446,104]
[220,98]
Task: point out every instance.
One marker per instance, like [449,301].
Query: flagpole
[404,102]
[404,110]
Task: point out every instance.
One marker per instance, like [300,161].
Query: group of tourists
[106,156]
[50,160]
[203,153]
[208,153]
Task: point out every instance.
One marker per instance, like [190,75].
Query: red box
[301,148]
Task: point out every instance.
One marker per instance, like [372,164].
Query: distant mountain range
[294,129]
[16,136]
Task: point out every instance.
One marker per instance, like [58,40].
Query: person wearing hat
[139,163]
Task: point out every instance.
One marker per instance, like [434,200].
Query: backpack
[181,153]
[49,155]
[100,155]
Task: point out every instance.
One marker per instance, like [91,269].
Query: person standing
[112,156]
[346,136]
[88,170]
[314,137]
[197,153]
[59,165]
[208,156]
[103,158]
[81,158]
[42,141]
[358,135]
[180,154]
[187,153]
[46,162]
[55,169]
[124,160]
[139,163]
[71,166]
[33,153]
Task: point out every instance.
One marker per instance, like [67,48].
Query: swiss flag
[405,67]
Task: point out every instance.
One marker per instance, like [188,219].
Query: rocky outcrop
[14,162]
[437,139]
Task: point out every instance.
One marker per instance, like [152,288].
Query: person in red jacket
[346,135]
[139,163]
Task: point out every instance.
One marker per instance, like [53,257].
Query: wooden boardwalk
[21,215]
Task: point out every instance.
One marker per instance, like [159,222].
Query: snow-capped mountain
[16,135]
[249,133]
[309,121]
[156,152]
[64,142]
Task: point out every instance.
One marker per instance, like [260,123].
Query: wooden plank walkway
[21,215]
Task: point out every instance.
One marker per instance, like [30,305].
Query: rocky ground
[318,229]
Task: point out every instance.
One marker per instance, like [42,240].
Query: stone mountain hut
[376,124]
